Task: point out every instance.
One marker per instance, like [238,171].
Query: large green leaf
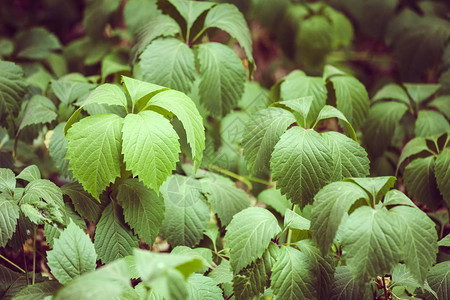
[86,205]
[9,214]
[187,213]
[225,198]
[222,77]
[38,290]
[248,236]
[7,181]
[429,123]
[73,254]
[329,206]
[143,209]
[202,287]
[420,181]
[94,151]
[36,43]
[168,62]
[191,10]
[345,287]
[261,134]
[350,159]
[150,147]
[442,173]
[438,279]
[184,108]
[39,110]
[413,147]
[12,89]
[373,242]
[301,164]
[113,239]
[420,240]
[228,18]
[293,275]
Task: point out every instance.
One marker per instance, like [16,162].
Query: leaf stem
[233,175]
[13,264]
[34,256]
[254,179]
[198,35]
[23,252]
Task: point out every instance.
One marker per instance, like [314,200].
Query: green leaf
[115,63]
[376,187]
[39,110]
[139,91]
[420,181]
[36,43]
[380,125]
[94,151]
[30,173]
[73,254]
[421,92]
[86,205]
[228,18]
[184,108]
[301,164]
[395,197]
[9,214]
[345,287]
[249,234]
[330,112]
[97,15]
[413,147]
[429,123]
[204,254]
[168,62]
[38,290]
[438,279]
[351,99]
[441,103]
[226,199]
[113,239]
[73,118]
[350,159]
[261,134]
[187,213]
[150,147]
[299,107]
[7,181]
[222,273]
[138,12]
[274,199]
[295,221]
[222,77]
[392,91]
[402,277]
[68,91]
[329,206]
[12,89]
[202,287]
[373,242]
[191,10]
[143,209]
[445,241]
[420,240]
[255,97]
[293,275]
[57,150]
[107,93]
[442,174]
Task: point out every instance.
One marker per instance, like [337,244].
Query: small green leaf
[413,147]
[274,199]
[395,197]
[86,205]
[191,10]
[392,91]
[73,254]
[57,150]
[139,91]
[115,63]
[36,43]
[30,173]
[429,123]
[202,287]
[9,214]
[94,151]
[204,254]
[13,88]
[39,290]
[249,234]
[438,279]
[345,287]
[421,92]
[68,90]
[330,112]
[299,107]
[143,209]
[73,118]
[376,187]
[107,93]
[445,241]
[222,273]
[39,110]
[441,103]
[113,239]
[7,181]
[442,173]
[295,221]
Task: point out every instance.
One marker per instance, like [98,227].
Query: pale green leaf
[228,18]
[445,241]
[187,213]
[376,187]
[107,93]
[420,181]
[345,286]
[350,159]
[299,107]
[184,108]
[254,98]
[30,173]
[330,112]
[150,147]
[420,240]
[204,254]
[73,254]
[401,276]
[38,290]
[7,181]
[115,63]
[202,287]
[113,239]
[39,110]
[222,273]
[94,151]
[232,128]
[438,279]
[295,221]
[392,91]
[143,209]
[429,123]
[274,199]
[372,241]
[73,118]
[191,10]
[226,199]
[168,62]
[97,15]
[293,275]
[138,12]
[86,205]
[301,164]
[442,173]
[261,134]
[395,197]
[68,91]
[421,92]
[9,214]
[12,89]
[248,236]
[57,150]
[139,91]
[413,147]
[329,206]
[442,103]
[36,43]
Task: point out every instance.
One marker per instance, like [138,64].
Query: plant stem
[23,252]
[262,181]
[198,35]
[34,256]
[233,175]
[13,264]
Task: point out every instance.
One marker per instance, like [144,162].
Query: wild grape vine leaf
[222,78]
[139,91]
[9,214]
[73,254]
[442,174]
[293,275]
[414,146]
[261,134]
[392,92]
[150,147]
[143,209]
[301,164]
[113,239]
[249,234]
[13,88]
[68,91]
[36,43]
[94,151]
[39,110]
[168,62]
